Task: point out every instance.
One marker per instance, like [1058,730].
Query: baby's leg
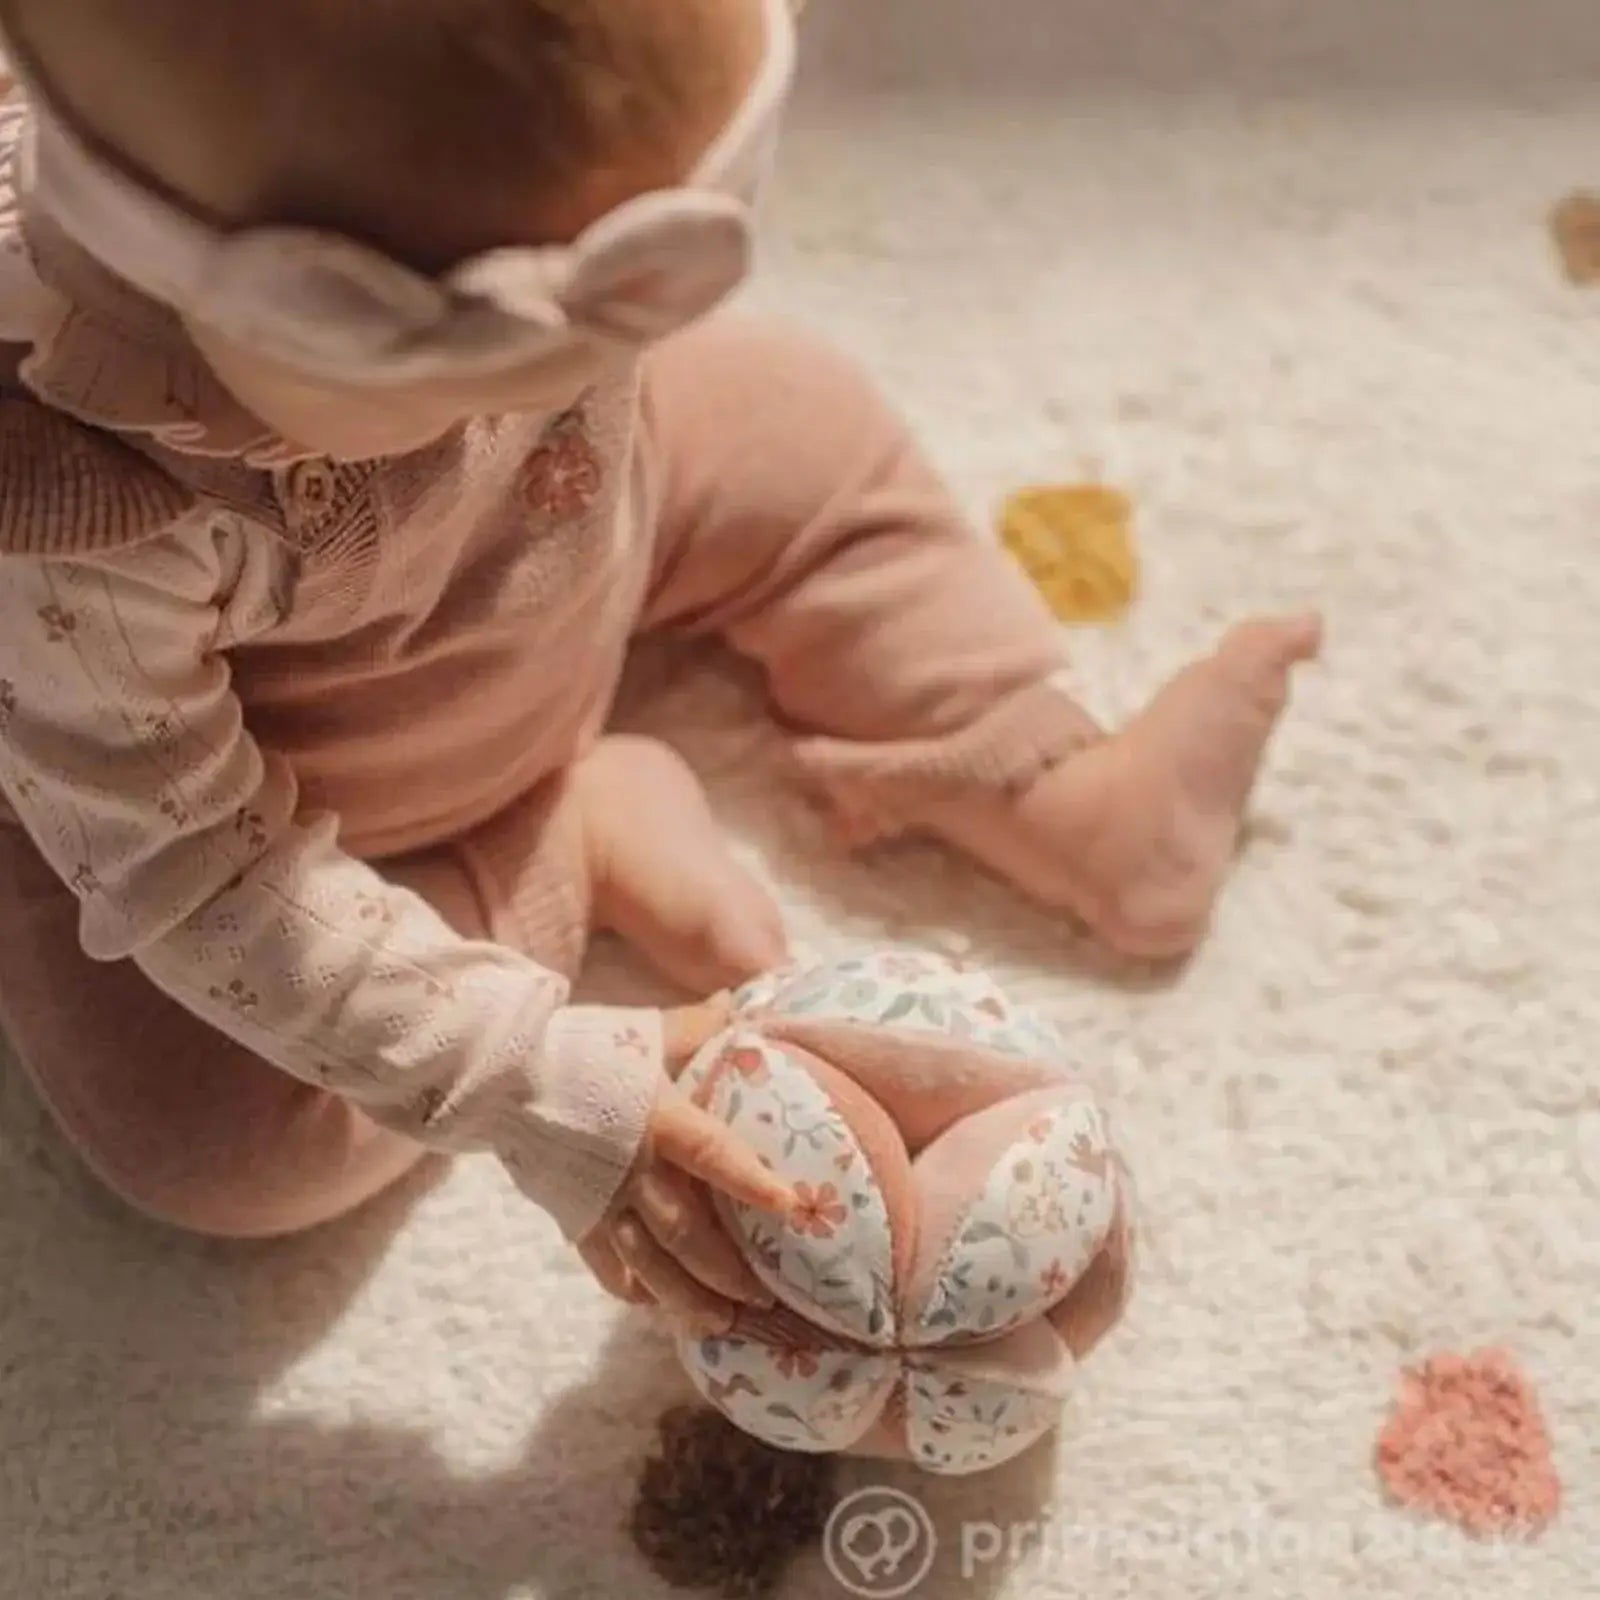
[799,521]
[173,1117]
[625,842]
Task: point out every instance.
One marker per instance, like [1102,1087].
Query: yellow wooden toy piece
[1575,226]
[1076,544]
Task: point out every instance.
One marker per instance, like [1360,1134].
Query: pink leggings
[795,519]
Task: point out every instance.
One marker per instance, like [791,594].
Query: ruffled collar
[102,352]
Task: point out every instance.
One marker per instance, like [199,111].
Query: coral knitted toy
[965,1232]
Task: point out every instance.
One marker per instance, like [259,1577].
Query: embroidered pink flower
[563,476]
[1039,1129]
[1054,1279]
[631,1042]
[818,1211]
[750,1064]
[795,1363]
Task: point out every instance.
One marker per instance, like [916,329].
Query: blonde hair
[432,128]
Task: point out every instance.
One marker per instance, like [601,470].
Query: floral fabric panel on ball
[833,1260]
[910,991]
[917,1277]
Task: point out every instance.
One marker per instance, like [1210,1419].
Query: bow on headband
[330,306]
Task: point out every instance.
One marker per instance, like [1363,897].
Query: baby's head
[434,131]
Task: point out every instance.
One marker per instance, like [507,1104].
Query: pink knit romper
[278,734]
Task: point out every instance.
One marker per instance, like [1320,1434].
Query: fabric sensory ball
[964,1236]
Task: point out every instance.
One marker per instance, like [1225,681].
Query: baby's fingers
[679,1217]
[688,1028]
[600,1255]
[696,1142]
[681,1295]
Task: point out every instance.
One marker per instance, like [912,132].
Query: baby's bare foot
[1134,835]
[663,875]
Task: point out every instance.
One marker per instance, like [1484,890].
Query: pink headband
[331,307]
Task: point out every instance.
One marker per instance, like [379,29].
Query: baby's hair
[433,128]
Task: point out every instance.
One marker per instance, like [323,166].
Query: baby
[362,401]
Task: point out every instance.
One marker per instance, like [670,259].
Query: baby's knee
[760,395]
[761,352]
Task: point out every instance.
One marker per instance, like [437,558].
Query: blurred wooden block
[1076,543]
[1575,227]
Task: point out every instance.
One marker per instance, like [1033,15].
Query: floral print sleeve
[124,752]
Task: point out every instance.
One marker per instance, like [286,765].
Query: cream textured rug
[1279,269]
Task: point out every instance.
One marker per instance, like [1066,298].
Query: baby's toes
[1270,646]
[1257,658]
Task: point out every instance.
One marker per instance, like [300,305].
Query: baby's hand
[663,1243]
